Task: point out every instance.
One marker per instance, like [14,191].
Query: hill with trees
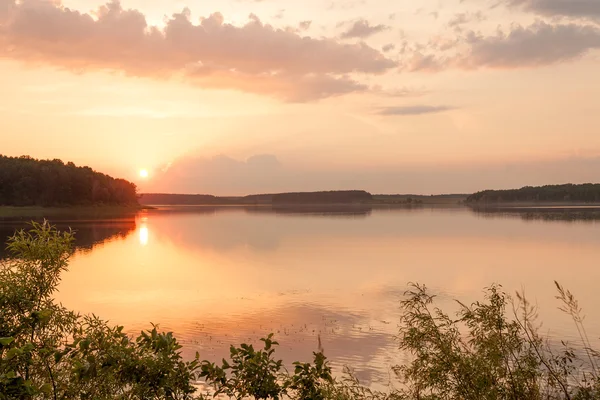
[585,193]
[25,181]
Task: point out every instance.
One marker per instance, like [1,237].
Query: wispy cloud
[535,45]
[362,29]
[388,47]
[460,19]
[304,25]
[539,44]
[412,110]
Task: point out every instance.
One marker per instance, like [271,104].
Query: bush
[49,352]
[483,354]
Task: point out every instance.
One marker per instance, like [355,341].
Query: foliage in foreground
[485,352]
[49,352]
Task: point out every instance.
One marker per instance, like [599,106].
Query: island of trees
[25,181]
[331,197]
[570,193]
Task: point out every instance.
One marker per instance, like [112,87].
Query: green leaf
[5,341]
[46,389]
[85,344]
[12,353]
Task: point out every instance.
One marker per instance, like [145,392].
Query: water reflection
[558,214]
[358,210]
[217,276]
[88,234]
[143,235]
[339,211]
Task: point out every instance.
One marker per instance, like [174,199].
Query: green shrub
[49,352]
[484,354]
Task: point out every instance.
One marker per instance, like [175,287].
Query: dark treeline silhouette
[156,199]
[179,199]
[332,197]
[25,181]
[586,193]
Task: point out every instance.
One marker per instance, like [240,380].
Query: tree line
[586,193]
[25,181]
[330,197]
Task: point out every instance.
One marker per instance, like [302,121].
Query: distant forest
[586,193]
[25,181]
[332,197]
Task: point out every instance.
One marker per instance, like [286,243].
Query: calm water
[217,276]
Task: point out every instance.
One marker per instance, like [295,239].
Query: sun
[143,173]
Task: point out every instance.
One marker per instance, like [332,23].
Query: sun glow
[144,173]
[144,235]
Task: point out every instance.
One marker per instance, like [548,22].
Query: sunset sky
[250,96]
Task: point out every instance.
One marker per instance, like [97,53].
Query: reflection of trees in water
[541,214]
[88,234]
[341,210]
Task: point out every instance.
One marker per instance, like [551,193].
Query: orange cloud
[255,58]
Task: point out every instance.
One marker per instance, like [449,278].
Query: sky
[234,97]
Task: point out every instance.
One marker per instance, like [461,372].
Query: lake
[217,276]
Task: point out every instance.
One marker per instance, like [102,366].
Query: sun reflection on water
[144,235]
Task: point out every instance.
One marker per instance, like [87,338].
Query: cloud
[425,62]
[536,45]
[539,44]
[388,47]
[412,110]
[304,25]
[399,92]
[568,8]
[362,29]
[291,66]
[266,174]
[219,174]
[460,19]
[289,88]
